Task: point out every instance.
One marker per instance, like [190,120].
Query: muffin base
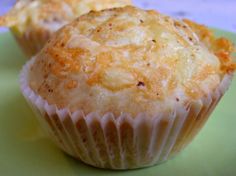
[32,41]
[122,142]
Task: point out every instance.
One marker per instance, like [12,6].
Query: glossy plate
[25,150]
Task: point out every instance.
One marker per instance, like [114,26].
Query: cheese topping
[129,60]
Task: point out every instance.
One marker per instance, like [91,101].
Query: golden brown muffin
[34,21]
[125,60]
[127,88]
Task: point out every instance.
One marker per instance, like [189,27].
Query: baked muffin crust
[127,60]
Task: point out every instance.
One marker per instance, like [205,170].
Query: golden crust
[222,47]
[122,58]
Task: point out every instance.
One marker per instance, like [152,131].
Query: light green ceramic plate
[24,149]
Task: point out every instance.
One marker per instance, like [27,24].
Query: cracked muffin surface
[128,60]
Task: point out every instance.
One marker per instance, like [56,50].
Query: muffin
[126,88]
[32,22]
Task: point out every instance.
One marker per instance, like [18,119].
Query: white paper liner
[122,142]
[32,42]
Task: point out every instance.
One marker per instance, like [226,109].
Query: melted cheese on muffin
[127,60]
[52,14]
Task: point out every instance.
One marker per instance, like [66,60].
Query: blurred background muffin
[32,22]
[212,13]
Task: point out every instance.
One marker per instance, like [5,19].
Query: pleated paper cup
[122,142]
[31,41]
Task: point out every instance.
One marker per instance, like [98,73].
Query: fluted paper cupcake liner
[32,42]
[122,142]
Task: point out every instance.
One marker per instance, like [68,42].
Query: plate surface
[25,150]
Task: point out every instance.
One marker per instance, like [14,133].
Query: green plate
[24,149]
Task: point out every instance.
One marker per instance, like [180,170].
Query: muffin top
[52,14]
[129,60]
